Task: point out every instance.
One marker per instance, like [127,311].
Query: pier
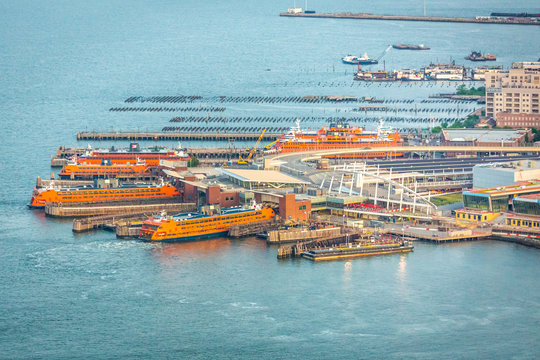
[439,235]
[117,207]
[296,250]
[203,154]
[294,235]
[175,136]
[106,221]
[367,16]
[253,228]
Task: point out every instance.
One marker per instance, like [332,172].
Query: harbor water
[64,64]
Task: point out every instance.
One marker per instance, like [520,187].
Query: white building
[505,173]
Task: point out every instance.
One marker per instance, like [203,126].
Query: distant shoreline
[366,16]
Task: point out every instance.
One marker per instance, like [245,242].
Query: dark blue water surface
[63,64]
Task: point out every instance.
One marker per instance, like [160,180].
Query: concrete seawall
[366,16]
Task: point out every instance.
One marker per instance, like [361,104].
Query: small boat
[350,59]
[263,235]
[410,47]
[355,60]
[478,56]
[366,60]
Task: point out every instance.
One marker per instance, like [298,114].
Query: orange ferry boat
[91,194]
[131,156]
[73,170]
[339,136]
[191,226]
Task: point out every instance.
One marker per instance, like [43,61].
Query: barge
[410,47]
[353,250]
[478,56]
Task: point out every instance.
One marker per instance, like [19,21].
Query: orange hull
[295,147]
[40,197]
[381,154]
[88,171]
[186,228]
[337,136]
[129,158]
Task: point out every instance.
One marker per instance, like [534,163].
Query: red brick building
[518,120]
[292,209]
[207,195]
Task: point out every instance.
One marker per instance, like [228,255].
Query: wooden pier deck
[367,16]
[253,228]
[167,136]
[117,208]
[108,221]
[294,235]
[436,236]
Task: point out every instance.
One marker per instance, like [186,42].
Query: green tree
[193,162]
[471,121]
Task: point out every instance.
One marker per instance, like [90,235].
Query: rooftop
[482,135]
[535,197]
[512,166]
[261,176]
[521,188]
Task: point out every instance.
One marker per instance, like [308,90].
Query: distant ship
[410,47]
[355,60]
[477,56]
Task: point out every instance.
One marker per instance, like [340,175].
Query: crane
[384,53]
[269,146]
[250,155]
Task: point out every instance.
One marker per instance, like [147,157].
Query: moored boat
[134,153]
[338,135]
[89,194]
[205,224]
[74,170]
[352,250]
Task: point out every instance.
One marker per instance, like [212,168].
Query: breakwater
[447,19]
[309,99]
[168,109]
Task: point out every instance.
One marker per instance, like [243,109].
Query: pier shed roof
[483,136]
[260,178]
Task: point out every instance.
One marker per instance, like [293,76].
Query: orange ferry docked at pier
[74,170]
[131,156]
[339,136]
[191,226]
[87,194]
